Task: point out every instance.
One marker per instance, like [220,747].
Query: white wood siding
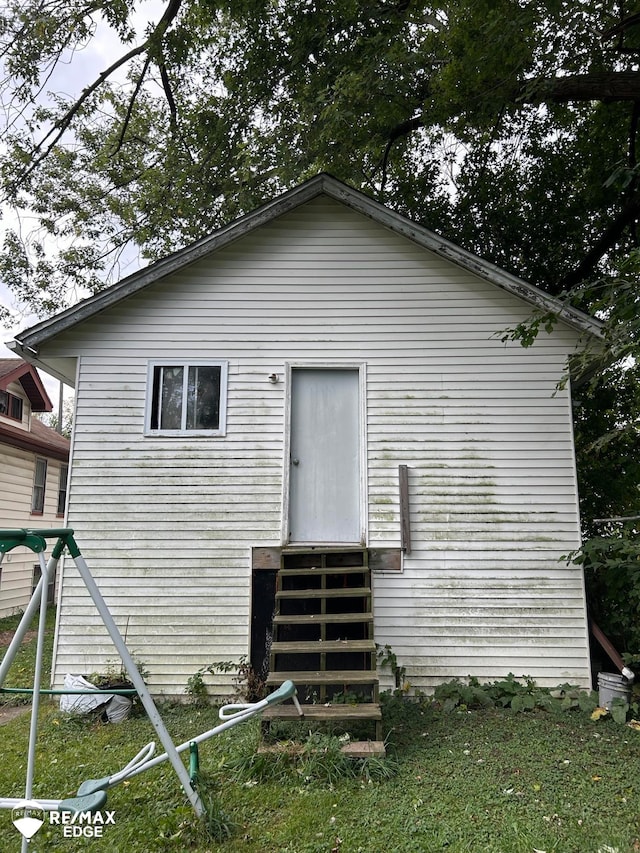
[16,487]
[167,524]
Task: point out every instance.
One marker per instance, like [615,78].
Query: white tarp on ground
[117,707]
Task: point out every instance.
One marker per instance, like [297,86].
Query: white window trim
[186,363]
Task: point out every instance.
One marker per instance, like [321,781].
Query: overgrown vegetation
[386,658]
[248,686]
[518,695]
[611,565]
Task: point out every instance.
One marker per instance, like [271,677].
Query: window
[188,398]
[51,586]
[62,488]
[10,406]
[39,484]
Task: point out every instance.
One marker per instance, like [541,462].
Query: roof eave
[484,269]
[33,444]
[31,338]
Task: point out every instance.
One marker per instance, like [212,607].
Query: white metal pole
[35,699]
[25,622]
[138,683]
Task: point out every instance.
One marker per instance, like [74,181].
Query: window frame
[13,401]
[185,364]
[36,510]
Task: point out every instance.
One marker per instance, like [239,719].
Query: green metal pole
[194,762]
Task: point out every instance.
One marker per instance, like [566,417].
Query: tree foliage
[611,564]
[507,126]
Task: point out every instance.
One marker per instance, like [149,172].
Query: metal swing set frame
[92,794]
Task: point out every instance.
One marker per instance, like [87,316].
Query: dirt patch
[7,636]
[10,712]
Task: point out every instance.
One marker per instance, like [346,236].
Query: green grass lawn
[22,668]
[481,781]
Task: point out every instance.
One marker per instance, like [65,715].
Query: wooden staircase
[323,638]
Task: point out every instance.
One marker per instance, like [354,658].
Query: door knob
[295,461]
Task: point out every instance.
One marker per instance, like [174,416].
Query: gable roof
[17,370]
[27,342]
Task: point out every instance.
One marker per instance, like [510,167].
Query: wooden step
[323,570]
[365,711]
[319,618]
[331,676]
[356,749]
[320,646]
[337,592]
[365,749]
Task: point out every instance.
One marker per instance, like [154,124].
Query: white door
[324,463]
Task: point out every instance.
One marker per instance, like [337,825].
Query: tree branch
[594,86]
[400,130]
[132,101]
[628,216]
[42,150]
[620,28]
[173,107]
[168,93]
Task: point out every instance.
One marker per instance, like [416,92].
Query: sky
[70,78]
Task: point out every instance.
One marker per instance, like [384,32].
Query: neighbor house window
[10,406]
[188,398]
[39,484]
[51,586]
[62,488]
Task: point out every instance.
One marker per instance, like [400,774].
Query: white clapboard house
[33,476]
[302,436]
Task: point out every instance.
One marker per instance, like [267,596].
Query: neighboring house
[320,391]
[34,461]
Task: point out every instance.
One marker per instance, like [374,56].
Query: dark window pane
[62,488]
[172,397]
[39,483]
[16,407]
[176,408]
[155,398]
[203,398]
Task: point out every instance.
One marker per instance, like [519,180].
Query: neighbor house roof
[17,370]
[28,341]
[39,439]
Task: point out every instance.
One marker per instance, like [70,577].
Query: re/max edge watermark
[29,816]
[86,824]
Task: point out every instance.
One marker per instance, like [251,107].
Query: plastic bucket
[612,686]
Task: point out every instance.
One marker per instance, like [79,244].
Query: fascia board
[41,332]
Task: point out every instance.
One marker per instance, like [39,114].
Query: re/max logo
[29,815]
[82,824]
[91,818]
